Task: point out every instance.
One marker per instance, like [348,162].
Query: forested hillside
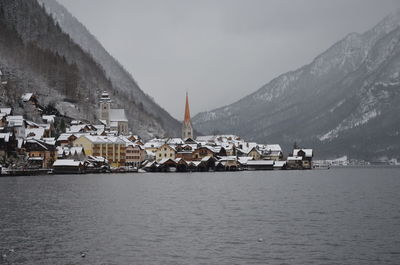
[37,56]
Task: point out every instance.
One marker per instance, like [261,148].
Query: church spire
[187,110]
[187,130]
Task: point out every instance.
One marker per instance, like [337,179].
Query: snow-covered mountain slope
[75,83]
[345,102]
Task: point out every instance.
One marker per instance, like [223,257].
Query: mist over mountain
[55,57]
[345,102]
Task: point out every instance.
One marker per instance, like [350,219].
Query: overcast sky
[219,50]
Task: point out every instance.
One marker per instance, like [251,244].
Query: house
[165,151]
[29,97]
[306,155]
[201,152]
[154,144]
[294,162]
[68,166]
[272,152]
[7,143]
[254,153]
[260,164]
[38,150]
[227,163]
[18,125]
[135,155]
[279,165]
[81,128]
[207,163]
[185,152]
[111,148]
[66,139]
[167,165]
[3,119]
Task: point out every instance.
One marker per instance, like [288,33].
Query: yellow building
[111,148]
[165,151]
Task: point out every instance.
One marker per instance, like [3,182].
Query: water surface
[337,216]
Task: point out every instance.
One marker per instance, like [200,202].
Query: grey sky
[219,50]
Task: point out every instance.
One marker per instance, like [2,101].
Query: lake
[337,216]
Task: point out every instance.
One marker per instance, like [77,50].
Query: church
[115,119]
[187,129]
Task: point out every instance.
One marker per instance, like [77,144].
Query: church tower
[187,129]
[105,106]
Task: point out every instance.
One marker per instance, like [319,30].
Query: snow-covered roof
[66,162]
[117,115]
[15,120]
[272,148]
[50,140]
[38,142]
[206,158]
[98,139]
[150,153]
[175,141]
[308,152]
[6,110]
[150,164]
[260,162]
[279,163]
[75,122]
[5,136]
[294,158]
[65,136]
[49,118]
[243,160]
[164,160]
[80,128]
[26,96]
[205,138]
[195,163]
[228,158]
[35,158]
[154,143]
[97,159]
[35,133]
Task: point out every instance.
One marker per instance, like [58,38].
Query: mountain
[345,102]
[57,64]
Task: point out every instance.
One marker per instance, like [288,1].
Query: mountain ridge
[329,79]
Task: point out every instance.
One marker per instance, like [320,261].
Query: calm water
[338,216]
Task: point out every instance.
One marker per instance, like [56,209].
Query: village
[107,145]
